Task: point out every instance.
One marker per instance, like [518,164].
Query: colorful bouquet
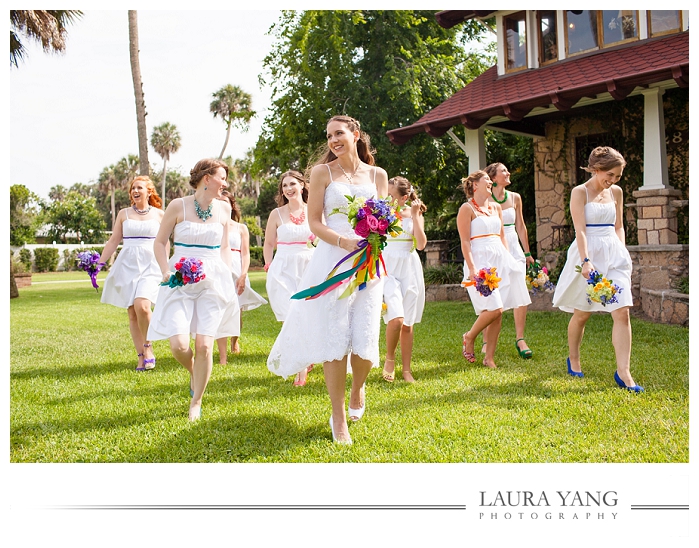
[486,281]
[187,271]
[373,219]
[537,278]
[89,261]
[600,289]
[312,242]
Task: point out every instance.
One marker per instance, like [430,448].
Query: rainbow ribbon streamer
[364,268]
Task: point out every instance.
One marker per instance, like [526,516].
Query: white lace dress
[209,307]
[248,299]
[290,261]
[487,251]
[404,289]
[608,255]
[135,273]
[327,328]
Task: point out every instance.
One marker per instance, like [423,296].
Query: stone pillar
[436,252]
[657,215]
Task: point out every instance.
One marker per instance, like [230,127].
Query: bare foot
[408,376]
[236,348]
[194,413]
[489,363]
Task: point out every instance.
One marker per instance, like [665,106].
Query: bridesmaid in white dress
[288,232]
[600,244]
[404,289]
[248,299]
[483,245]
[132,281]
[515,232]
[328,329]
[208,309]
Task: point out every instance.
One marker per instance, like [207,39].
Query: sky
[74,114]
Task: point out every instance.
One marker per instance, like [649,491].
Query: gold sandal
[389,377]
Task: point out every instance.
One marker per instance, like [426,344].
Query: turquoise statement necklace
[203,214]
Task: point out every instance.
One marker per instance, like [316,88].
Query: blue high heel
[636,388]
[571,372]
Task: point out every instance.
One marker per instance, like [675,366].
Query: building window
[581,30]
[664,22]
[515,41]
[548,37]
[619,26]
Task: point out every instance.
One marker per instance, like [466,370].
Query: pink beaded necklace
[297,220]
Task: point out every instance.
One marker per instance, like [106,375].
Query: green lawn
[76,398]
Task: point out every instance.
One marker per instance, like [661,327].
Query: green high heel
[525,354]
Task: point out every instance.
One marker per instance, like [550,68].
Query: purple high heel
[141,367]
[149,363]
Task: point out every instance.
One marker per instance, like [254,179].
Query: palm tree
[165,140]
[144,168]
[234,107]
[45,26]
[106,184]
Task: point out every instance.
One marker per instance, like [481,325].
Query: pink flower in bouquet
[362,229]
[383,226]
[372,222]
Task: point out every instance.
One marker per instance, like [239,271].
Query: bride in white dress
[208,309]
[133,279]
[328,329]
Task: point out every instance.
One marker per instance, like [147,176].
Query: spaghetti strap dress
[208,307]
[328,328]
[608,255]
[404,288]
[487,251]
[249,299]
[135,273]
[286,270]
[508,222]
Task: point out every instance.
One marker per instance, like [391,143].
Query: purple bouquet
[89,261]
[188,271]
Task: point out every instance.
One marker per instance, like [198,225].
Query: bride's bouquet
[486,281]
[599,289]
[537,279]
[373,219]
[89,261]
[187,271]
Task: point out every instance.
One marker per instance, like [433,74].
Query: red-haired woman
[132,282]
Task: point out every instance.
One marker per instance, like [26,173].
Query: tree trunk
[144,166]
[164,178]
[14,292]
[228,134]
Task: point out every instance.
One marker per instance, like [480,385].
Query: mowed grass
[75,396]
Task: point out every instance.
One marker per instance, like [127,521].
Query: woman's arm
[319,181]
[161,243]
[270,238]
[244,256]
[381,183]
[577,212]
[418,225]
[618,194]
[114,239]
[521,228]
[463,224]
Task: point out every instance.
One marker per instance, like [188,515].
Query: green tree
[75,214]
[48,27]
[165,140]
[234,107]
[384,68]
[111,190]
[144,166]
[24,215]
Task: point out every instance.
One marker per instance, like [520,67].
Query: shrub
[449,273]
[556,271]
[46,259]
[25,257]
[682,285]
[70,258]
[256,256]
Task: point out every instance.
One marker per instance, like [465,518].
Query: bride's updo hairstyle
[467,182]
[207,166]
[404,188]
[604,158]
